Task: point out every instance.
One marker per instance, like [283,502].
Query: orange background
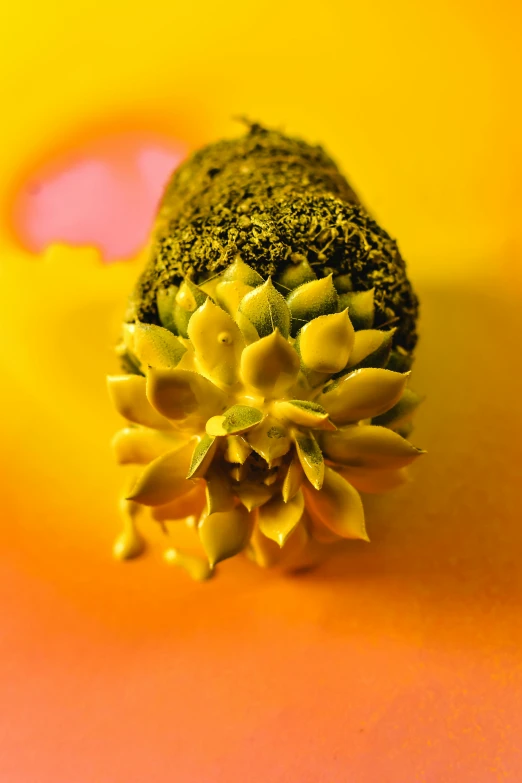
[397,661]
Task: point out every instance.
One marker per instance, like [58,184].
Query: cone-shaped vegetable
[262,385]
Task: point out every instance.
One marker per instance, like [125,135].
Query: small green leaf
[155,346]
[343,283]
[372,348]
[310,457]
[294,276]
[237,419]
[311,300]
[361,308]
[166,302]
[266,310]
[188,299]
[202,457]
[241,272]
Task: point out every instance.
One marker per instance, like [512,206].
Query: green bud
[166,303]
[361,308]
[311,300]
[188,299]
[266,310]
[294,276]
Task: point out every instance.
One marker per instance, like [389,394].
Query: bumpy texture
[258,419]
[274,201]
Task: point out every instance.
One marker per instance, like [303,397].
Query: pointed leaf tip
[240,272]
[202,457]
[337,506]
[326,342]
[218,343]
[270,365]
[362,394]
[277,519]
[164,479]
[225,534]
[361,307]
[155,346]
[312,300]
[266,310]
[310,457]
[370,447]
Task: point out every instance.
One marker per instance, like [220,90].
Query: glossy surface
[283,397]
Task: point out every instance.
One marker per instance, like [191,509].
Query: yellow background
[398,662]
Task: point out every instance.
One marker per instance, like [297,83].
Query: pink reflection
[103,195]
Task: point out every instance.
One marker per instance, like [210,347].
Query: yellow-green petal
[139,446]
[277,519]
[266,310]
[293,479]
[237,449]
[360,306]
[243,273]
[188,298]
[128,395]
[362,394]
[225,533]
[303,413]
[189,505]
[153,345]
[311,300]
[202,456]
[165,478]
[178,394]
[270,440]
[294,275]
[237,419]
[218,490]
[325,343]
[310,457]
[264,552]
[401,411]
[338,506]
[343,283]
[368,446]
[166,303]
[270,365]
[371,348]
[253,495]
[218,343]
[229,294]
